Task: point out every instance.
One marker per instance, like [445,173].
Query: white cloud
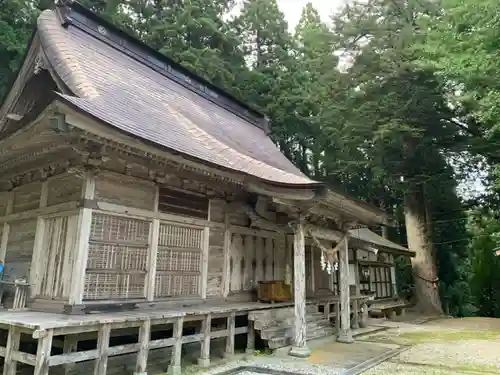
[293,9]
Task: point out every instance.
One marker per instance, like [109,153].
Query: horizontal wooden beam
[87,355]
[45,211]
[27,358]
[115,209]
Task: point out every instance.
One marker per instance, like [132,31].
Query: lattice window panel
[179,258]
[117,257]
[100,286]
[117,260]
[117,228]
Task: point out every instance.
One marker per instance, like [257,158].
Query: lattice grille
[116,228]
[172,235]
[117,259]
[178,267]
[112,286]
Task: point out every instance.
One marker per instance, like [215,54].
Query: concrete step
[280,342]
[279,313]
[262,324]
[287,329]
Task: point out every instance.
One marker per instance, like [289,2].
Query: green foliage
[485,280]
[16,23]
[463,45]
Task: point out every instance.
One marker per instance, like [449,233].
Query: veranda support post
[344,334]
[299,346]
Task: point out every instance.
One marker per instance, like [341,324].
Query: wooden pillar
[10,365]
[82,245]
[288,259]
[175,363]
[204,263]
[355,314]
[43,354]
[6,227]
[153,252]
[356,272]
[299,344]
[204,360]
[153,255]
[101,362]
[337,317]
[5,239]
[38,261]
[313,284]
[226,270]
[356,305]
[393,281]
[142,355]
[345,334]
[251,337]
[70,346]
[231,327]
[363,320]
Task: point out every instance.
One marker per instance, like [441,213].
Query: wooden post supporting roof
[299,345]
[82,245]
[344,334]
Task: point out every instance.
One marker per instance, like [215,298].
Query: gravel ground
[289,364]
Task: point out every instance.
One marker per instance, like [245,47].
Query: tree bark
[423,264]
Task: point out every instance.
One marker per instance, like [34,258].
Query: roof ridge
[71,12]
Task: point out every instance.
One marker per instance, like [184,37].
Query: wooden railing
[21,292]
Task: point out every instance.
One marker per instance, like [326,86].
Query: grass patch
[463,368]
[423,336]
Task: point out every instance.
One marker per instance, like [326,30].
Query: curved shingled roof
[112,84]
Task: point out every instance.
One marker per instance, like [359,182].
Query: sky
[293,8]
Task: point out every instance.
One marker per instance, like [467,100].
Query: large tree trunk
[423,264]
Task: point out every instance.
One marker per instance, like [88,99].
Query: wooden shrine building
[139,201]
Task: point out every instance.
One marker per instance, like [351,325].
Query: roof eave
[258,185]
[364,212]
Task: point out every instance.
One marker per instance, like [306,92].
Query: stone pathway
[328,357]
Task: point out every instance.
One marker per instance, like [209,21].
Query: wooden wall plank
[64,188]
[269,259]
[259,259]
[125,190]
[279,258]
[27,197]
[236,261]
[249,259]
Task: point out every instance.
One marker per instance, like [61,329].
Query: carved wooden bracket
[39,64]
